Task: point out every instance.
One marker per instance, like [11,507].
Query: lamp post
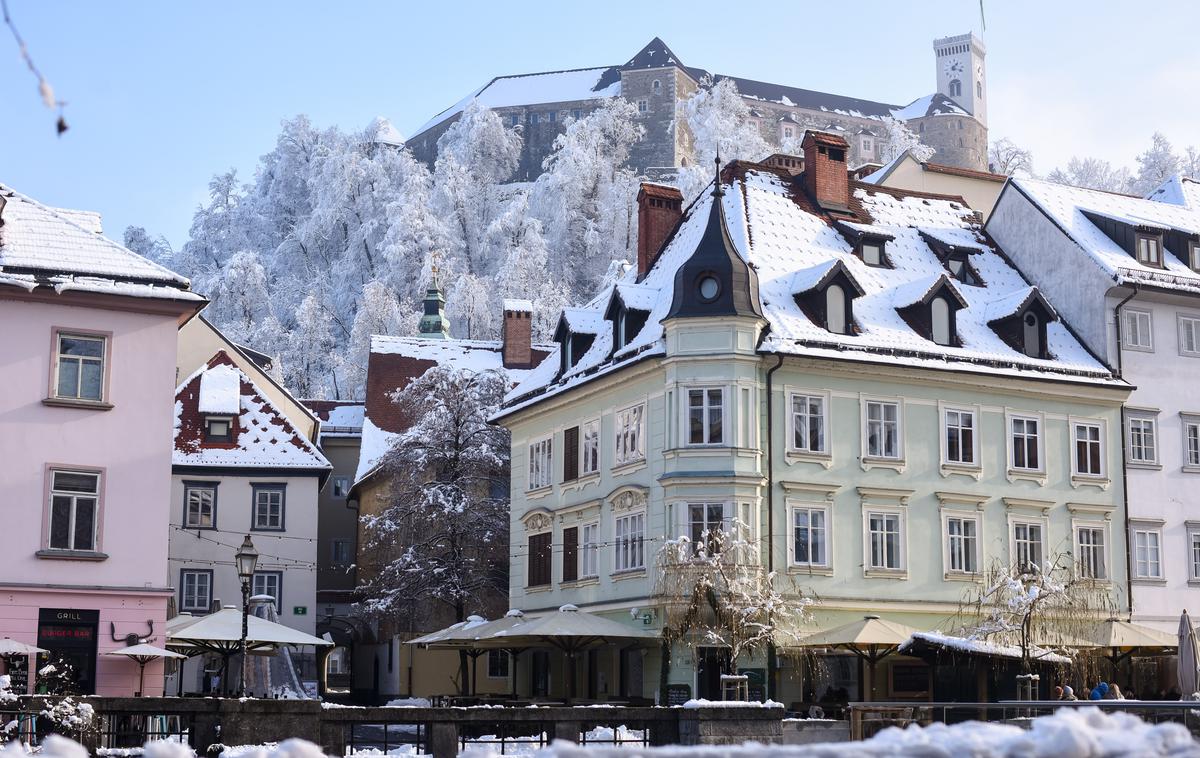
[246,559]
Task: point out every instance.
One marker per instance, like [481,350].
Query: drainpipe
[772,661]
[1125,452]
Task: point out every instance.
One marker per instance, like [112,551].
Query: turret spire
[434,324]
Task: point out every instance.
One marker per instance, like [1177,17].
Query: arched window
[656,85]
[939,311]
[978,89]
[1032,335]
[835,309]
[955,88]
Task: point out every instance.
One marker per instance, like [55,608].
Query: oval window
[709,288]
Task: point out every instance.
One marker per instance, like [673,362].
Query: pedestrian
[1099,691]
[1058,693]
[1114,692]
[1069,693]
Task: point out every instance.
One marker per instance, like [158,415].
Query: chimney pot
[825,175]
[659,210]
[516,334]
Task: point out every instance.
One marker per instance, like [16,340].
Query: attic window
[1194,256]
[708,286]
[942,324]
[218,429]
[1031,335]
[872,252]
[1149,250]
[835,309]
[960,268]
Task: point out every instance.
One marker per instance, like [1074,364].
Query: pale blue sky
[162,95]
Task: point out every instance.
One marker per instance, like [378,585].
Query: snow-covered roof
[1174,207]
[517,304]
[339,418]
[981,647]
[793,247]
[261,437]
[41,246]
[385,133]
[936,104]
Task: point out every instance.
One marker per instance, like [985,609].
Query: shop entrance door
[70,636]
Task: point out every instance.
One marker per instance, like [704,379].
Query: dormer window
[1032,334]
[835,309]
[872,252]
[870,245]
[218,429]
[930,306]
[1149,250]
[1194,256]
[939,316]
[961,269]
[1021,321]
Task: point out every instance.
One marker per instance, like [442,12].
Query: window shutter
[570,568]
[539,559]
[571,454]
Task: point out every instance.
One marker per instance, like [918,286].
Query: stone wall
[959,140]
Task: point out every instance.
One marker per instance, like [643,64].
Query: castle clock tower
[962,72]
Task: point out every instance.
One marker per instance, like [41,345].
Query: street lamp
[246,559]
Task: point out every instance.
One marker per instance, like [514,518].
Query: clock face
[954,68]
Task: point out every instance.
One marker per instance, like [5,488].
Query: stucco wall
[980,194]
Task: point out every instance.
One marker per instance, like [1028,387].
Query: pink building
[88,335]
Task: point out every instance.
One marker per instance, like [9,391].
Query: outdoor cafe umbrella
[465,636]
[10,648]
[569,629]
[1189,657]
[872,639]
[1123,639]
[143,654]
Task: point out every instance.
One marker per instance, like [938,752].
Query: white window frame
[60,357]
[75,496]
[1140,420]
[807,396]
[902,540]
[636,452]
[1153,249]
[629,546]
[1101,427]
[706,415]
[540,468]
[1102,527]
[1189,322]
[643,107]
[587,456]
[1143,320]
[1193,547]
[195,606]
[973,517]
[1190,423]
[944,412]
[1014,521]
[796,507]
[1010,435]
[865,427]
[588,551]
[1151,567]
[726,517]
[277,576]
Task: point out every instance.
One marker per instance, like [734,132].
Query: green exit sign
[299,610]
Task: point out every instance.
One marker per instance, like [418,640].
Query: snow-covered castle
[952,120]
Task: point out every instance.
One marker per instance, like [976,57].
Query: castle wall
[959,140]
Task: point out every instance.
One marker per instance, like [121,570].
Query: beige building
[979,189]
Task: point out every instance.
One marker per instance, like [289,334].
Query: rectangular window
[884,541]
[1092,563]
[706,521]
[630,539]
[195,590]
[199,506]
[1194,541]
[533,119]
[268,508]
[883,429]
[79,367]
[808,423]
[1191,443]
[643,106]
[1138,330]
[810,536]
[1189,336]
[1027,545]
[514,119]
[1149,250]
[539,559]
[497,664]
[339,552]
[1089,448]
[960,437]
[630,433]
[591,448]
[1025,443]
[705,415]
[570,454]
[576,113]
[1143,446]
[341,486]
[268,583]
[541,463]
[218,429]
[589,551]
[74,509]
[962,544]
[552,116]
[570,554]
[872,253]
[1147,555]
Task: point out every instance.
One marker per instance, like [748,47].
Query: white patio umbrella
[143,654]
[872,639]
[1188,660]
[465,635]
[10,648]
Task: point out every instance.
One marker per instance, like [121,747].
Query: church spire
[434,325]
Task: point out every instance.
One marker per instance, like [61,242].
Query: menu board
[678,694]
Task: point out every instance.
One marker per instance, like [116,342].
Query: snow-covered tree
[140,241]
[524,274]
[1092,173]
[308,367]
[718,123]
[1008,158]
[900,138]
[379,312]
[440,543]
[240,297]
[1154,166]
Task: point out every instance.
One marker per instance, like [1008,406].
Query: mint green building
[854,372]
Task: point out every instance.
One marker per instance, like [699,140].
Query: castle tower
[434,325]
[962,73]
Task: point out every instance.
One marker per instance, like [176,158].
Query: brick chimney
[659,209]
[825,171]
[516,334]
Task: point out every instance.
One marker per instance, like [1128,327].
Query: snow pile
[702,703]
[408,702]
[292,748]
